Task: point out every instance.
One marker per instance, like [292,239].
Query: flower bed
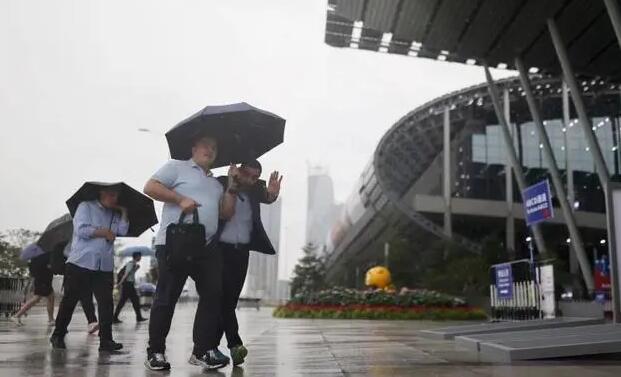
[344,303]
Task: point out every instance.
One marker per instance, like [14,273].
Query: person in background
[39,268]
[126,283]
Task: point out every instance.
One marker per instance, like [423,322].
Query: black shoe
[238,354]
[109,346]
[210,360]
[141,319]
[156,361]
[116,320]
[58,342]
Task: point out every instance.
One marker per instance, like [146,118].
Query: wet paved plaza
[277,347]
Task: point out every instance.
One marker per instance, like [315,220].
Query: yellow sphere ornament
[377,277]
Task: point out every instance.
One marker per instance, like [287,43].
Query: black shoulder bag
[184,242]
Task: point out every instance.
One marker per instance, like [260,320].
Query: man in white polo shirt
[184,186]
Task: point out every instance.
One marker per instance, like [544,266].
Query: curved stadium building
[409,187]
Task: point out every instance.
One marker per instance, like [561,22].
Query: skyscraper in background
[322,210]
[262,278]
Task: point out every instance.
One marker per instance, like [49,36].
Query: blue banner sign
[504,281]
[538,203]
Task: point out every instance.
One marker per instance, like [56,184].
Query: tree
[10,264]
[21,237]
[462,272]
[309,273]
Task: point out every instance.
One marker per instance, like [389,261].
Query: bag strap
[194,215]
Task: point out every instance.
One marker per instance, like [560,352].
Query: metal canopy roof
[473,31]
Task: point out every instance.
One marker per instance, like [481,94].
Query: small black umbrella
[243,133]
[60,230]
[140,208]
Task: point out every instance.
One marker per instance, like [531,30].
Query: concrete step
[472,342]
[449,333]
[532,345]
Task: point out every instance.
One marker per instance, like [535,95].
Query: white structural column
[448,228]
[548,154]
[515,163]
[510,219]
[571,191]
[615,17]
[574,90]
[596,152]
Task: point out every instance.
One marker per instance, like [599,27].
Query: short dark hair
[254,164]
[136,254]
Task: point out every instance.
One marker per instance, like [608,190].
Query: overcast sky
[78,78]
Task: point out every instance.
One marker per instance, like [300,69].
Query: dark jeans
[128,292]
[207,274]
[87,305]
[79,283]
[235,263]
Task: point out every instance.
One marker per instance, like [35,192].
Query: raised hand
[233,176]
[273,186]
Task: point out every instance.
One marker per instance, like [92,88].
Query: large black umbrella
[60,230]
[140,208]
[243,133]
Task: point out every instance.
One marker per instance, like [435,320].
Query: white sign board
[546,291]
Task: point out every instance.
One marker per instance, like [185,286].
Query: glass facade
[482,154]
[479,154]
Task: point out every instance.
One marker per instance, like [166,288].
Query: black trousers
[128,292]
[207,274]
[79,283]
[87,305]
[235,267]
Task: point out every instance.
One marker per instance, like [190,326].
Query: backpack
[120,274]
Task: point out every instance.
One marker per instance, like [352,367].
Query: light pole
[529,240]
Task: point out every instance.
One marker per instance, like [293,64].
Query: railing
[514,291]
[12,293]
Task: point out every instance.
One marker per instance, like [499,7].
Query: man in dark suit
[240,234]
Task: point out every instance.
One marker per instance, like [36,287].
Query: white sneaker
[93,327]
[17,321]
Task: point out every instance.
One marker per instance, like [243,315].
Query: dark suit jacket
[259,241]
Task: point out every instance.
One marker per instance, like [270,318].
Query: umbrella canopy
[140,208]
[145,251]
[243,133]
[146,288]
[31,251]
[60,230]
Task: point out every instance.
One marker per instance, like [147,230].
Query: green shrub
[405,297]
[380,313]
